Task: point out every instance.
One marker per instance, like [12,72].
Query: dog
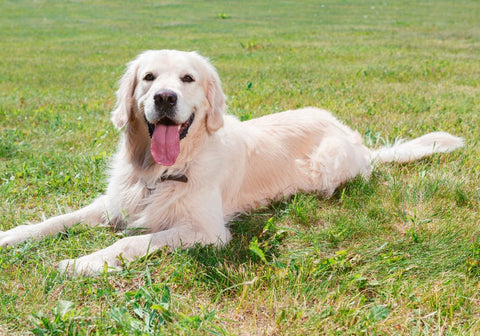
[184,167]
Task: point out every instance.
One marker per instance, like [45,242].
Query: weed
[223,16]
[145,311]
[473,259]
[63,321]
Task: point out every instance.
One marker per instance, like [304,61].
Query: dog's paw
[15,236]
[87,266]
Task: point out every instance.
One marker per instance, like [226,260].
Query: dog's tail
[428,144]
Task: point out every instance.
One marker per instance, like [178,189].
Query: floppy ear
[123,108]
[216,100]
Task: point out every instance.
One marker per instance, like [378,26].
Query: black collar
[179,178]
[166,177]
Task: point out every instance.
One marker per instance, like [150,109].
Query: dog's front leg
[133,247]
[203,223]
[91,215]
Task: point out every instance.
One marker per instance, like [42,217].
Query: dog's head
[169,95]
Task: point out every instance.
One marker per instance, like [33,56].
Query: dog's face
[174,94]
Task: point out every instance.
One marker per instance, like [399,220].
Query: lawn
[398,254]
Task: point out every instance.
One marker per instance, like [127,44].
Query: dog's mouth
[182,128]
[166,136]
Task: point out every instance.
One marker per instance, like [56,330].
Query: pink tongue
[165,144]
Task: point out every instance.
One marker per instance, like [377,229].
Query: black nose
[165,99]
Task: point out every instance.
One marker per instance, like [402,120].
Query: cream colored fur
[231,166]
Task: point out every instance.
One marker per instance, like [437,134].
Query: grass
[399,254]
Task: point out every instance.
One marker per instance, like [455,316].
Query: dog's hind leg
[92,215]
[337,160]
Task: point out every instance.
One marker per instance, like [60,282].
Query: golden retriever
[183,167]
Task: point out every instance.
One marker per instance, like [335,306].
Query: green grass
[399,254]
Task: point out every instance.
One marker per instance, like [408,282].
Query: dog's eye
[187,79]
[149,77]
